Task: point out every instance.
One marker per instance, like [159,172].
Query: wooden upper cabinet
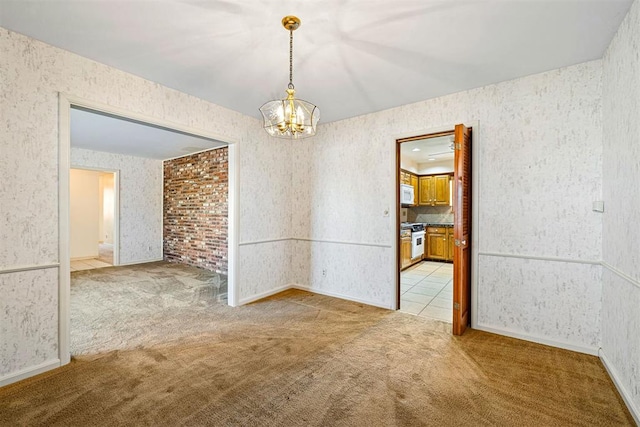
[426,191]
[434,190]
[441,190]
[409,178]
[414,183]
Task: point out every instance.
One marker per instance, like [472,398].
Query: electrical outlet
[150,248]
[324,273]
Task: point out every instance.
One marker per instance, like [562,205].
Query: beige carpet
[299,359]
[118,308]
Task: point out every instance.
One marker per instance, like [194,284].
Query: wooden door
[462,230]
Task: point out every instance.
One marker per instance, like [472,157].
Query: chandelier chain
[291,59]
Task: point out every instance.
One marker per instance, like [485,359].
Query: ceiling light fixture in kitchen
[290,118]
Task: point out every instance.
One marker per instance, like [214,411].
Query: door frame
[65,102]
[475,204]
[116,207]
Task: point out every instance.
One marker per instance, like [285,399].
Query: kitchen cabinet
[437,245]
[441,190]
[404,177]
[450,243]
[434,190]
[426,190]
[405,252]
[412,180]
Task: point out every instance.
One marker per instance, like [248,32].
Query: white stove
[417,244]
[413,226]
[417,237]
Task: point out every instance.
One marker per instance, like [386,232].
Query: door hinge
[456,306]
[457,145]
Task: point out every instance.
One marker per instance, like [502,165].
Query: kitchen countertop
[429,224]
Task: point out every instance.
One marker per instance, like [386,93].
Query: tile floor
[87,264]
[104,259]
[426,290]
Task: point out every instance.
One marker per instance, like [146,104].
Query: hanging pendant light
[290,118]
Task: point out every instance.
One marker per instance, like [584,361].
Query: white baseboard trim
[593,351]
[615,377]
[277,290]
[265,294]
[29,372]
[341,296]
[144,261]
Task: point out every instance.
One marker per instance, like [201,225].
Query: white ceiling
[352,57]
[98,132]
[438,148]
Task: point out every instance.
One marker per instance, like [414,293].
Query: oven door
[417,244]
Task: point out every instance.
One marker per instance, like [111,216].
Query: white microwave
[406,194]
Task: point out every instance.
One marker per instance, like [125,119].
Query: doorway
[93,219]
[433,230]
[68,105]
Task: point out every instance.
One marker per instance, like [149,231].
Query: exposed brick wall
[195,195]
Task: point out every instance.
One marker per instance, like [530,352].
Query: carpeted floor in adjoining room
[126,307]
[299,359]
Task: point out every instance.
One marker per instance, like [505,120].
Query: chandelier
[290,118]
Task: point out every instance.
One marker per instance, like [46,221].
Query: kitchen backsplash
[430,214]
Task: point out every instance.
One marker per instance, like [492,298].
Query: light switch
[598,206]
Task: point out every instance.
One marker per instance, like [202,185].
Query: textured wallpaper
[540,164]
[538,296]
[33,73]
[140,201]
[621,194]
[540,168]
[28,319]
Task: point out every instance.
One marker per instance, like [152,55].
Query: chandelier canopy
[290,118]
